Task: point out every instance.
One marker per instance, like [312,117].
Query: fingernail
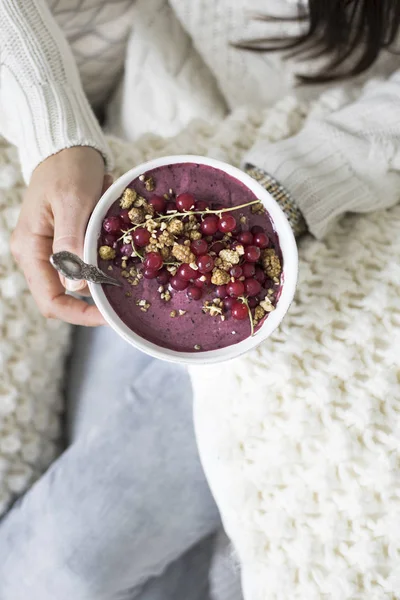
[73,286]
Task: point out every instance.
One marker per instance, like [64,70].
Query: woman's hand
[59,200]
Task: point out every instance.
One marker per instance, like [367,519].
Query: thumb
[70,221]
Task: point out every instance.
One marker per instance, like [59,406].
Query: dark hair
[339,30]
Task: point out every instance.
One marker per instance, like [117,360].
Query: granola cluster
[183,253]
[271,263]
[107,253]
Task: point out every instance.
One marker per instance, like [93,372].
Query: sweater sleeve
[43,108]
[347,162]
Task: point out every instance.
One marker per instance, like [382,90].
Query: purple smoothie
[194,329]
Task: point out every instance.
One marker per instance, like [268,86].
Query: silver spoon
[73,267]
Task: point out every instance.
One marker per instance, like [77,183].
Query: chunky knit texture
[32,352]
[300,444]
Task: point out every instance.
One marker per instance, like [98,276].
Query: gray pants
[125,513]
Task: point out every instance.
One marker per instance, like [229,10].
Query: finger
[70,221]
[84,292]
[48,291]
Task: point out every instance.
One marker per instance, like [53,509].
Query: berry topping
[252,287]
[205,262]
[221,291]
[203,281]
[194,293]
[126,250]
[209,225]
[185,202]
[163,276]
[178,284]
[158,203]
[261,240]
[110,240]
[260,275]
[236,271]
[226,223]
[124,214]
[112,224]
[229,302]
[141,237]
[239,311]
[153,260]
[199,247]
[252,253]
[150,273]
[186,272]
[245,238]
[201,205]
[235,289]
[248,270]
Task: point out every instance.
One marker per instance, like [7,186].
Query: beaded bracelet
[283,198]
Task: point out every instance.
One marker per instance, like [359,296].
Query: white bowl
[287,245]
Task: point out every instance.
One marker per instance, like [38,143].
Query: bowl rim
[287,244]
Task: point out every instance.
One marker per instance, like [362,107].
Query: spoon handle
[73,267]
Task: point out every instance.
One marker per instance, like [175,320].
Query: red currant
[153,260]
[261,240]
[185,202]
[205,262]
[226,223]
[110,240]
[158,203]
[252,253]
[245,238]
[124,214]
[201,205]
[237,230]
[112,225]
[170,207]
[236,272]
[260,275]
[199,247]
[254,301]
[163,276]
[239,311]
[150,273]
[203,281]
[186,272]
[194,293]
[256,229]
[217,247]
[221,292]
[252,287]
[235,289]
[248,269]
[178,284]
[126,250]
[209,225]
[141,237]
[228,302]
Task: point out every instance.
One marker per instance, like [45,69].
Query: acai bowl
[206,259]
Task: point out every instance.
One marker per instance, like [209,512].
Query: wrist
[282,196]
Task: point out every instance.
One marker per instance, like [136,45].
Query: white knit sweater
[181,65]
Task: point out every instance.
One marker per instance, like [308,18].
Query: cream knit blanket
[300,438]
